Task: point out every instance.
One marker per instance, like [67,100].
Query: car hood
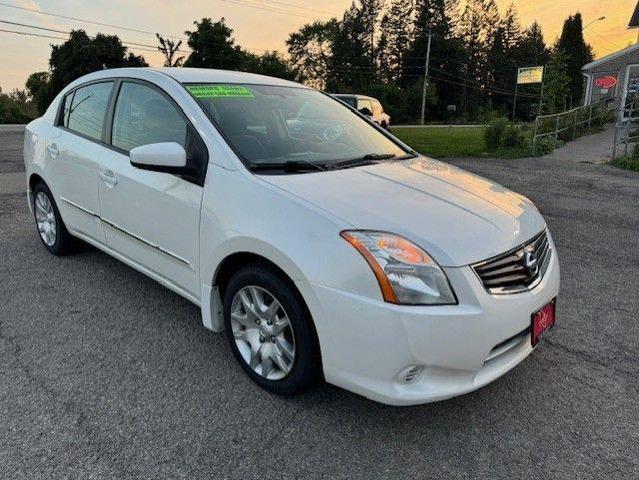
[457,217]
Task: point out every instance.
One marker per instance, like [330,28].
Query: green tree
[311,51]
[271,64]
[446,58]
[578,53]
[395,40]
[502,59]
[532,49]
[473,29]
[76,57]
[212,46]
[350,68]
[512,28]
[370,12]
[16,107]
[557,82]
[81,54]
[39,88]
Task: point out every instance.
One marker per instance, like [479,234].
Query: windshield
[280,126]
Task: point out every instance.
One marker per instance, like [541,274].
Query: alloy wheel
[263,332]
[45,218]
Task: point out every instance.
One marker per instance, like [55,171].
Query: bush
[544,146]
[494,133]
[487,115]
[513,138]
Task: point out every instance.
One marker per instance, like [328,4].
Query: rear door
[74,154]
[150,217]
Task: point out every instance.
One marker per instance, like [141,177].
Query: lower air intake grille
[517,270]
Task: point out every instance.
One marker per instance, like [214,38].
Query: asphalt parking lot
[106,374]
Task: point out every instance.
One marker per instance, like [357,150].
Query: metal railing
[568,125]
[624,133]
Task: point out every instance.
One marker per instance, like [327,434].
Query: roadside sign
[526,75]
[452,108]
[606,82]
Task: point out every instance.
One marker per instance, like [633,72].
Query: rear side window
[144,116]
[352,101]
[84,110]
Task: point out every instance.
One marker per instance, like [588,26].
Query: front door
[149,217]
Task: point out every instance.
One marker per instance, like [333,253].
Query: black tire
[306,367]
[64,243]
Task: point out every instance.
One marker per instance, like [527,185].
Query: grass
[627,163]
[442,142]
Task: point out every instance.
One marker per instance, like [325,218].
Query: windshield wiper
[368,159]
[293,166]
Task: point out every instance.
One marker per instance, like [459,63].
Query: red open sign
[606,82]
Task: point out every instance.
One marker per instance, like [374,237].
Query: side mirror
[160,157]
[366,111]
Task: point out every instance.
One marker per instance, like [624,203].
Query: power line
[76,19]
[31,34]
[258,6]
[111,25]
[504,59]
[143,47]
[33,26]
[296,6]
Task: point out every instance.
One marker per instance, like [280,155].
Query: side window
[352,101]
[66,109]
[87,109]
[144,116]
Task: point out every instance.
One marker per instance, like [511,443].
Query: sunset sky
[255,28]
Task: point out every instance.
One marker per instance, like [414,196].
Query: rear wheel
[270,331]
[51,229]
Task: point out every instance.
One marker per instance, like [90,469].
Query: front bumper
[368,345]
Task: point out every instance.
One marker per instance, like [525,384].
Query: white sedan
[323,249]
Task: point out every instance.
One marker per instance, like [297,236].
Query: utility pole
[430,36]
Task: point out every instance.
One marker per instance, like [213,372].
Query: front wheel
[270,331]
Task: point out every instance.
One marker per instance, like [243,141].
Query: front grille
[517,270]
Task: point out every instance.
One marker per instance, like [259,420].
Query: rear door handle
[53,151]
[109,178]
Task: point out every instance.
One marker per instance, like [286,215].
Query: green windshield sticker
[217,91]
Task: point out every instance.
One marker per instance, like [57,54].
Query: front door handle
[109,178]
[53,151]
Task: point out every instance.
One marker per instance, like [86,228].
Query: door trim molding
[128,233]
[82,209]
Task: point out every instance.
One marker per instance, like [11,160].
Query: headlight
[406,273]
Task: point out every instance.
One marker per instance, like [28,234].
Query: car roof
[196,75]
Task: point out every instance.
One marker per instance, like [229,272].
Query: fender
[211,304]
